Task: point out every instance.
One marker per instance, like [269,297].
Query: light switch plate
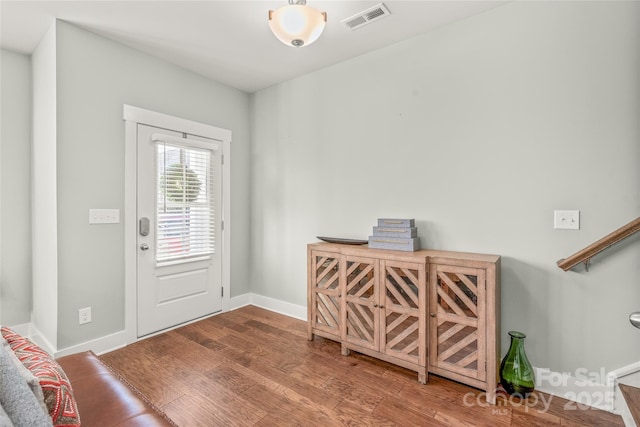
[566,220]
[104,216]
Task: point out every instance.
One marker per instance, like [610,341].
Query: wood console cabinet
[381,314]
[428,311]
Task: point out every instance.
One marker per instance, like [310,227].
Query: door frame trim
[133,116]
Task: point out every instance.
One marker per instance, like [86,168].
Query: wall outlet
[84,315]
[566,220]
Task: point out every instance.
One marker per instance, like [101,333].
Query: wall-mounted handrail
[595,248]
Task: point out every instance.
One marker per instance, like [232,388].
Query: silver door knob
[634,318]
[144,247]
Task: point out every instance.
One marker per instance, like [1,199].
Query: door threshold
[179,325]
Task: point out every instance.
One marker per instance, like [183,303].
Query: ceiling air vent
[366,16]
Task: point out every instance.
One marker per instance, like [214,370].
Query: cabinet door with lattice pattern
[457,324]
[403,323]
[325,292]
[361,301]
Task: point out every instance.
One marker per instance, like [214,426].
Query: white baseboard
[38,338]
[629,374]
[598,390]
[99,346]
[23,329]
[271,304]
[239,301]
[120,339]
[29,330]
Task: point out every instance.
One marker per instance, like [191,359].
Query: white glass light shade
[297,24]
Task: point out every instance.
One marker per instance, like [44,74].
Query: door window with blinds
[185,212]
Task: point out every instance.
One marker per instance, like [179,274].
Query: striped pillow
[56,387]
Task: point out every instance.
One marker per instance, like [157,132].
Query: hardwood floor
[632,397]
[253,367]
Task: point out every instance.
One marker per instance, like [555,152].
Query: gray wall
[96,76]
[478,130]
[496,121]
[15,188]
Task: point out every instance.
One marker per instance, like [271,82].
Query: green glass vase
[516,373]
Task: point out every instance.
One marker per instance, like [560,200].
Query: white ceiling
[230,41]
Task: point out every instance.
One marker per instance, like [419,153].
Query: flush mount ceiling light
[297,24]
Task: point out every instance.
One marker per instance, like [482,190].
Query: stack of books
[396,234]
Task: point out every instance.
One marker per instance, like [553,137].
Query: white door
[179,274]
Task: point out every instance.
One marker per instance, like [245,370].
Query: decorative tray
[343,241]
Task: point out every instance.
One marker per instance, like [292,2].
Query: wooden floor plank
[632,397]
[412,415]
[349,414]
[349,390]
[253,367]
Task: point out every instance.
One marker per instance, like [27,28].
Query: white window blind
[185,214]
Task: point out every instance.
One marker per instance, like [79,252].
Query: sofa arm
[104,398]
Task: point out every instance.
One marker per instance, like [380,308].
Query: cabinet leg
[491,396]
[344,350]
[423,377]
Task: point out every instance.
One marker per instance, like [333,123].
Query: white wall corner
[239,301]
[38,338]
[44,205]
[29,331]
[23,329]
